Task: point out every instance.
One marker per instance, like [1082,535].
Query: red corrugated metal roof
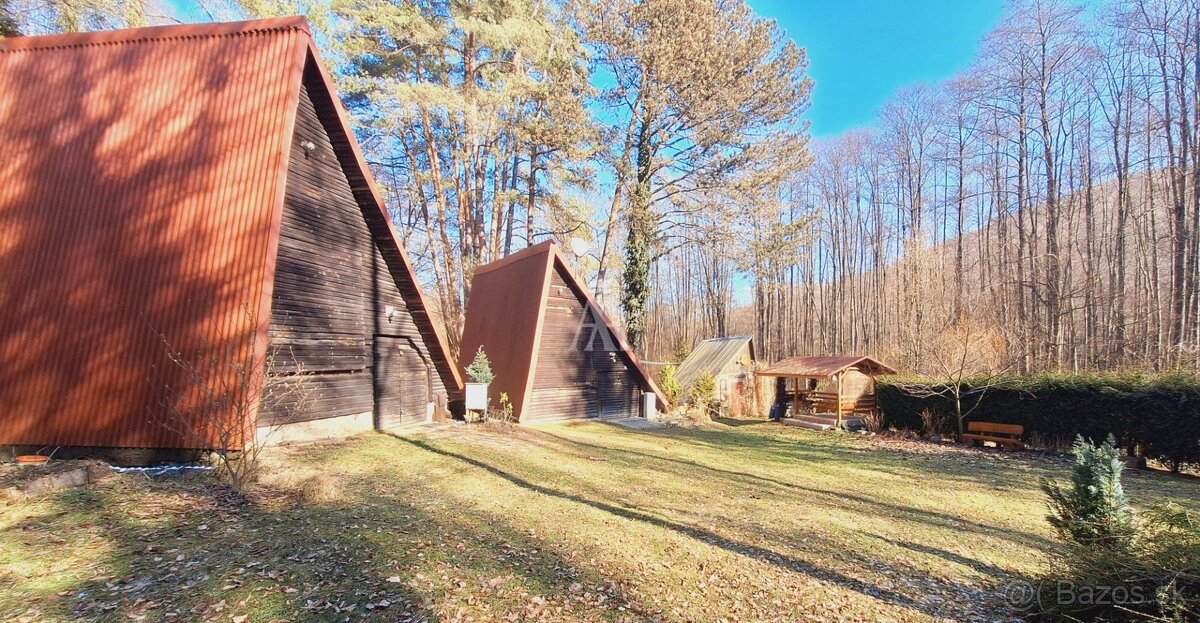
[143,185]
[505,314]
[824,367]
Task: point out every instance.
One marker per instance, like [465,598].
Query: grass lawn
[583,522]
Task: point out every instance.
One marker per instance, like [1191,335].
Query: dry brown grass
[313,489]
[734,520]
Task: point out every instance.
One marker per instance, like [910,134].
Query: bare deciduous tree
[220,392]
[964,360]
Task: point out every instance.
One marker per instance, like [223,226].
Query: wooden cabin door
[614,390]
[403,382]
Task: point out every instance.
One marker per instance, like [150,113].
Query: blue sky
[862,51]
[859,51]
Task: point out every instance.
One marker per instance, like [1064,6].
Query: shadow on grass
[764,483]
[981,567]
[729,545]
[186,547]
[775,446]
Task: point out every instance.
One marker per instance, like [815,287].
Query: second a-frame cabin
[555,354]
[181,205]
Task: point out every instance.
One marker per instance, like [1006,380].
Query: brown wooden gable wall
[391,255]
[571,382]
[333,288]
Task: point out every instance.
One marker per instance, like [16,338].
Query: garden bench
[999,434]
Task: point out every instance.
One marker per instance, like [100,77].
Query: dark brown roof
[505,313]
[825,367]
[143,184]
[712,356]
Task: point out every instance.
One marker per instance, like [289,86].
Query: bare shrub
[740,405]
[933,424]
[966,349]
[500,426]
[1049,442]
[503,413]
[308,488]
[221,388]
[873,420]
[695,415]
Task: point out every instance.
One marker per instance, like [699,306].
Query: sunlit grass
[585,522]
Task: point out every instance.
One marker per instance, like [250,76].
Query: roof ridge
[526,253]
[153,33]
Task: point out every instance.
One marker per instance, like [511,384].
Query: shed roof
[712,356]
[825,367]
[506,310]
[143,190]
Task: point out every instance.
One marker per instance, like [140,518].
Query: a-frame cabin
[195,192]
[555,354]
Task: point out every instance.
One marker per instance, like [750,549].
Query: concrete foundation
[316,430]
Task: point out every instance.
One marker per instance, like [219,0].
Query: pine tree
[706,101]
[1093,511]
[8,22]
[475,115]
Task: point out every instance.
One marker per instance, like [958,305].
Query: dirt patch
[18,481]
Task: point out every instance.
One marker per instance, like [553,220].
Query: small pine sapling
[480,370]
[1093,510]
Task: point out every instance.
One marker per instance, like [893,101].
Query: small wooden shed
[555,354]
[826,392]
[730,361]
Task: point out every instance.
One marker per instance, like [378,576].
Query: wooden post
[795,395]
[875,400]
[839,400]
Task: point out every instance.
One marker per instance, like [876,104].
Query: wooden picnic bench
[999,434]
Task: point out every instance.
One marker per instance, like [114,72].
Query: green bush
[704,392]
[1157,416]
[668,383]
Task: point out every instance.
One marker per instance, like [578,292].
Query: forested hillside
[1047,195]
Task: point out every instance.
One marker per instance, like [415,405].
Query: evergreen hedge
[1158,417]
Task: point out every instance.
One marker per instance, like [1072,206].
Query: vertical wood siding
[571,381]
[329,317]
